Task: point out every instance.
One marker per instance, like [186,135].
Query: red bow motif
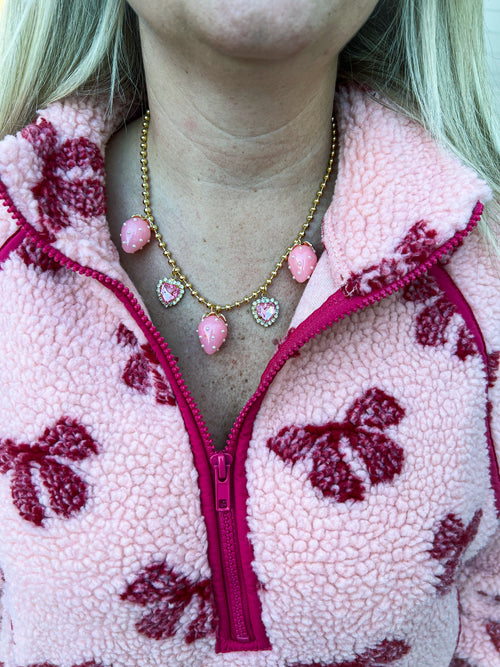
[143,368]
[417,245]
[493,364]
[363,429]
[32,254]
[67,492]
[434,316]
[493,630]
[72,176]
[169,594]
[450,541]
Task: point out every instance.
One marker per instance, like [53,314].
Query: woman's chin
[257,29]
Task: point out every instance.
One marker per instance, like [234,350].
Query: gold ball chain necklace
[212,330]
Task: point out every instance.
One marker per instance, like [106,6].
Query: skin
[241,95]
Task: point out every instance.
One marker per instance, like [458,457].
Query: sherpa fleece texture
[361,528]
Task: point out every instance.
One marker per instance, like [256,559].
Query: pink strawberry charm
[135,234]
[302,261]
[265,310]
[212,331]
[169,291]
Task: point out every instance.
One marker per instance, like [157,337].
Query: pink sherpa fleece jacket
[351,519]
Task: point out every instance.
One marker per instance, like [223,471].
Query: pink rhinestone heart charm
[302,261]
[212,331]
[169,291]
[135,234]
[265,310]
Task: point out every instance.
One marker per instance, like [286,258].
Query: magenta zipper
[235,584]
[221,464]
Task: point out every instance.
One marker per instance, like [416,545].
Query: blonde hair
[50,49]
[426,57]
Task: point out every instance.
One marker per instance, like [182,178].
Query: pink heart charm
[265,310]
[212,331]
[302,261]
[169,291]
[135,234]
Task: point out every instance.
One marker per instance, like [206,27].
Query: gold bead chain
[176,270]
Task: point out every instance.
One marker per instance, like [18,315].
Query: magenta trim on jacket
[12,244]
[455,296]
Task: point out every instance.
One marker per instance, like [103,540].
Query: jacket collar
[398,197]
[398,194]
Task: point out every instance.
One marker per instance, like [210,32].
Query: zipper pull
[221,463]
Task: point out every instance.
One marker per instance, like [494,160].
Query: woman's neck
[237,148]
[237,123]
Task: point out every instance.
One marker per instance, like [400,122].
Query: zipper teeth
[115,284]
[367,301]
[236,605]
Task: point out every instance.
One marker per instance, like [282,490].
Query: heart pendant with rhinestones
[169,291]
[265,310]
